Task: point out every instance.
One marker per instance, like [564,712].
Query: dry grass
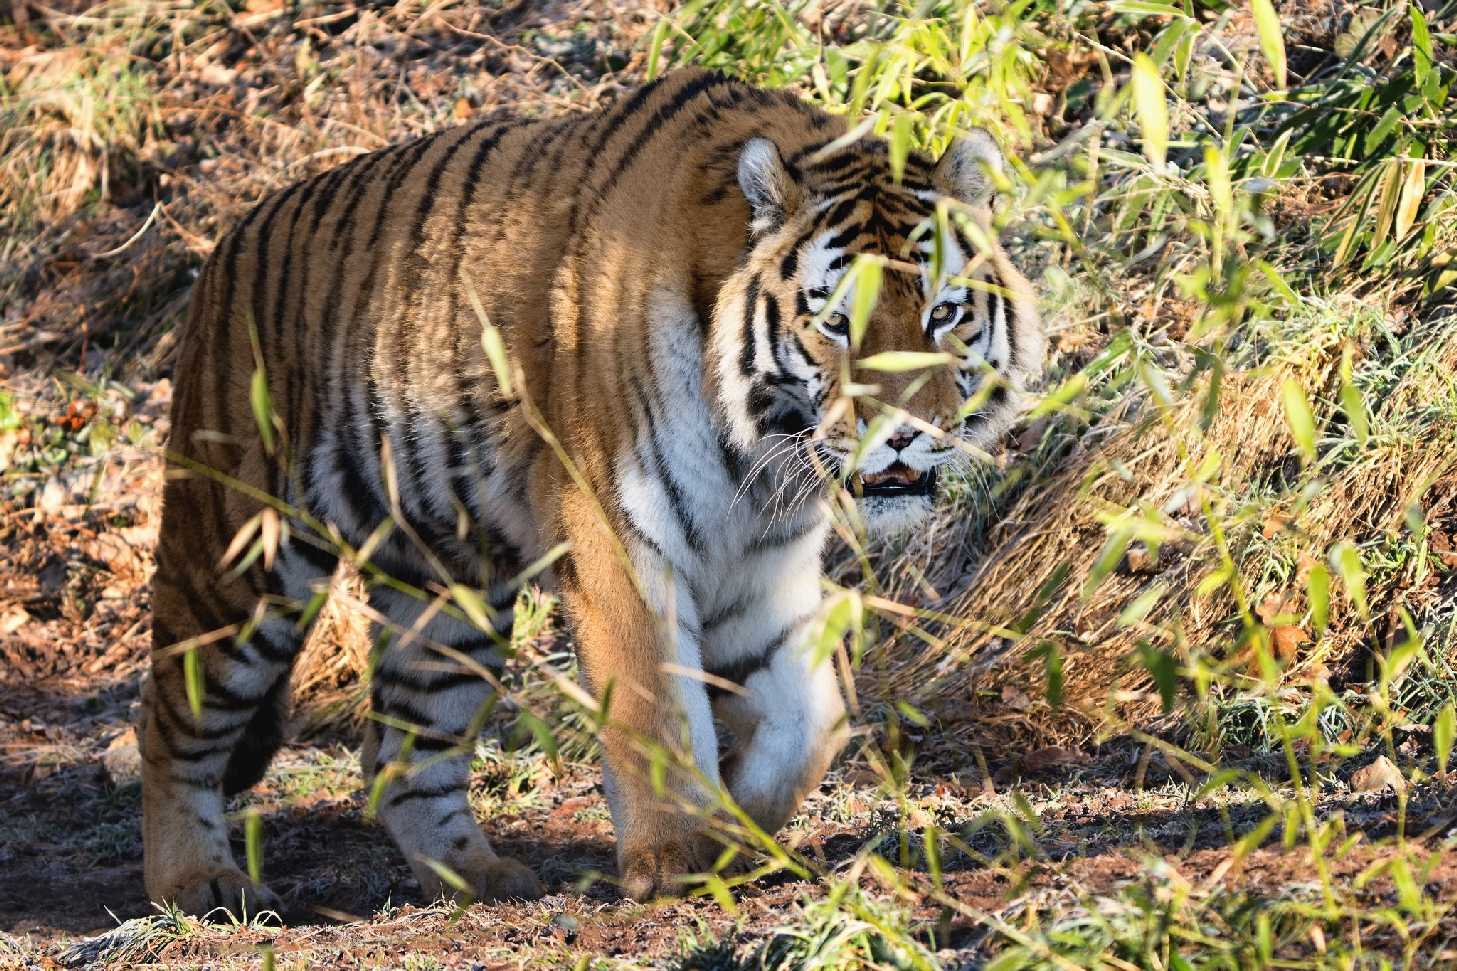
[1136,468]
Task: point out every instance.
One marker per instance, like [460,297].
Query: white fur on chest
[751,567]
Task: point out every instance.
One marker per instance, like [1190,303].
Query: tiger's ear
[967,168]
[772,192]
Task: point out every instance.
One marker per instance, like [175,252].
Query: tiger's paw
[486,879]
[660,871]
[223,893]
[506,879]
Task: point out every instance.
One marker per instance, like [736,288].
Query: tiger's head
[791,377]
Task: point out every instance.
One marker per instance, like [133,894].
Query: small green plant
[1385,118]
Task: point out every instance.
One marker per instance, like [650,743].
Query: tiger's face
[937,372]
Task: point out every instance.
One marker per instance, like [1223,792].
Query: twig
[151,217]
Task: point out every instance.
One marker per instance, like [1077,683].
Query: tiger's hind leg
[428,706]
[192,762]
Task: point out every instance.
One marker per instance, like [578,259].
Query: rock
[123,759]
[1381,774]
[52,497]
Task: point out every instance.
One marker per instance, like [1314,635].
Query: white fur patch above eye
[823,268]
[954,262]
[823,265]
[941,289]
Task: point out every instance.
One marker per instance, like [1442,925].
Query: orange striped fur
[658,272]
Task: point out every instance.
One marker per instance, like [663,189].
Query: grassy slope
[1056,826]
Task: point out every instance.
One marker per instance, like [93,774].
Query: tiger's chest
[741,537]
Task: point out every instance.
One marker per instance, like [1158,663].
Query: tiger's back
[629,261]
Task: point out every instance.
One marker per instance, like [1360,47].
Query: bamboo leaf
[1108,560]
[1356,417]
[901,136]
[1383,128]
[1135,612]
[867,291]
[253,844]
[1299,418]
[1152,110]
[930,840]
[1062,397]
[1287,292]
[1272,42]
[192,680]
[450,878]
[1389,191]
[912,714]
[1165,671]
[655,48]
[1442,734]
[1148,8]
[1412,189]
[1221,189]
[1212,581]
[719,890]
[1318,590]
[491,341]
[240,541]
[270,529]
[474,606]
[262,406]
[1052,668]
[1347,562]
[897,361]
[544,738]
[1421,42]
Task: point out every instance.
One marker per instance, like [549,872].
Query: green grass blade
[1272,40]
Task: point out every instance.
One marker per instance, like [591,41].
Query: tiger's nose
[902,439]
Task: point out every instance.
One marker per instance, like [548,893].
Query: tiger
[613,354]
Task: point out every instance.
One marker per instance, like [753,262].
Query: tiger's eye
[942,312]
[837,324]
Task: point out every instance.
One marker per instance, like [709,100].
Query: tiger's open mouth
[895,479]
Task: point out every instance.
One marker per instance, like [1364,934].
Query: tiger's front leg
[786,715]
[638,648]
[789,723]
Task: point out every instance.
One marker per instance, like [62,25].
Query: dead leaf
[1277,605]
[13,619]
[217,75]
[1015,698]
[1379,775]
[123,759]
[1286,642]
[570,807]
[1445,548]
[1032,435]
[1140,560]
